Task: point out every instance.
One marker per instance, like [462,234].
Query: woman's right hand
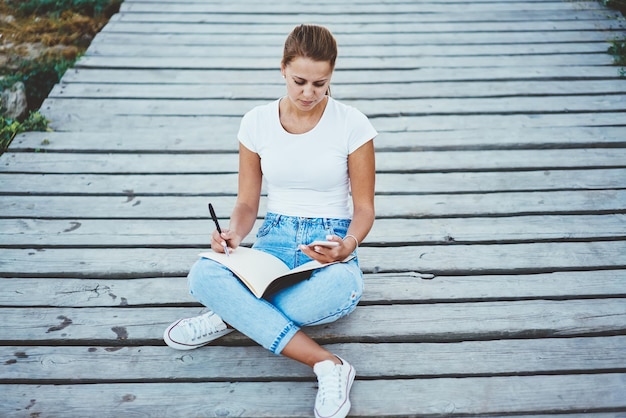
[228,238]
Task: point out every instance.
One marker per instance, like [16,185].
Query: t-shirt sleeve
[361,130]
[246,127]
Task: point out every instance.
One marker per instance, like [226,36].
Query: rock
[13,103]
[8,19]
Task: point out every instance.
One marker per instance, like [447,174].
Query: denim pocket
[271,220]
[339,227]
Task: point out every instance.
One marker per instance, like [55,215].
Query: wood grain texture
[495,270]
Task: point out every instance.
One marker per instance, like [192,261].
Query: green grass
[618,50]
[92,8]
[618,45]
[9,128]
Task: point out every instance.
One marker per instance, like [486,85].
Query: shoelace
[199,326]
[330,384]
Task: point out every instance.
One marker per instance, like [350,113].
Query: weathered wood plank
[406,206]
[502,138]
[442,122]
[59,109]
[344,92]
[500,182]
[420,288]
[581,6]
[406,162]
[573,415]
[480,395]
[381,288]
[437,259]
[443,396]
[223,139]
[371,29]
[346,63]
[122,163]
[450,15]
[321,2]
[408,39]
[92,329]
[441,322]
[125,123]
[217,78]
[195,233]
[150,50]
[24,364]
[333,8]
[220,184]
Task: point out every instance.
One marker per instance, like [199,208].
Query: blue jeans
[330,293]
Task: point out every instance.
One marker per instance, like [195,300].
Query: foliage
[92,8]
[43,40]
[616,4]
[9,127]
[618,46]
[618,50]
[66,28]
[39,77]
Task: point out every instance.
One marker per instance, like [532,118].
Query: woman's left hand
[329,254]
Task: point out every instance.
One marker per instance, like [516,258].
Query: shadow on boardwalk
[495,271]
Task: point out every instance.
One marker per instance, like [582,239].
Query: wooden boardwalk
[495,272]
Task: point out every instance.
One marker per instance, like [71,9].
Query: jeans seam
[277,341]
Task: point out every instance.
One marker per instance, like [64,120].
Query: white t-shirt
[307,174]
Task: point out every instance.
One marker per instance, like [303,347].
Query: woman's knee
[196,274]
[343,278]
[332,292]
[203,276]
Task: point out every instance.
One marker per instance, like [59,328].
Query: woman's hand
[227,238]
[325,254]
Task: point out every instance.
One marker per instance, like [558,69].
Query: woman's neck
[296,121]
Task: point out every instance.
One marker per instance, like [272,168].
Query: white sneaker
[334,381]
[190,333]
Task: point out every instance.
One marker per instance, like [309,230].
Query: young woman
[317,158]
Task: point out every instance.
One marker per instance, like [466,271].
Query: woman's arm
[246,208]
[362,173]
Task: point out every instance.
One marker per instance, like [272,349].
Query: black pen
[217,225]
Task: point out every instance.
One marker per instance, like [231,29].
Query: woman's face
[307,82]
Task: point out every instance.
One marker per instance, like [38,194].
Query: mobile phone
[324,244]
